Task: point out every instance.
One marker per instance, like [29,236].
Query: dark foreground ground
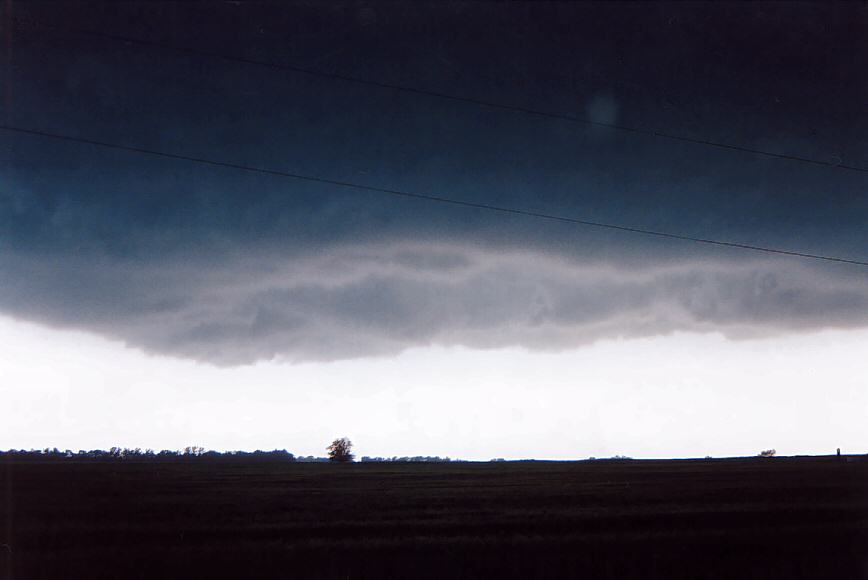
[752,518]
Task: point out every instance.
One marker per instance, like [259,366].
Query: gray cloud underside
[375,300]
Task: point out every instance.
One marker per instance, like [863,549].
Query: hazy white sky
[675,396]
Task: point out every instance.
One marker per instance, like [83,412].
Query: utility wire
[440,95]
[423,196]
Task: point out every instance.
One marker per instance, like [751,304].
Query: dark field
[751,518]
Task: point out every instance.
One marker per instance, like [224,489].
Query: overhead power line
[440,95]
[424,196]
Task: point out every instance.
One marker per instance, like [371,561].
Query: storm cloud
[229,267]
[380,300]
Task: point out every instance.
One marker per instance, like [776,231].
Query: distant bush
[767,453]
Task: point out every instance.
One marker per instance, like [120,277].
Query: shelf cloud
[376,300]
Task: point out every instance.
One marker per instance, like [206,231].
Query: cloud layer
[375,300]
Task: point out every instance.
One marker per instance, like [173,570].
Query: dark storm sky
[231,267]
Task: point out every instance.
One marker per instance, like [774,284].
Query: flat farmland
[733,518]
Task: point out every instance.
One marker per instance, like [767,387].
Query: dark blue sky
[226,266]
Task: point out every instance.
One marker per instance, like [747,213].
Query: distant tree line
[416,459]
[192,453]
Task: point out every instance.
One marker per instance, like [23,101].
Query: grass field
[748,518]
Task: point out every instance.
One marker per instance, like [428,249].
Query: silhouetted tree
[340,449]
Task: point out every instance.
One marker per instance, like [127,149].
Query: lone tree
[340,449]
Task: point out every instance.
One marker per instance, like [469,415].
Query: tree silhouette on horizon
[340,450]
